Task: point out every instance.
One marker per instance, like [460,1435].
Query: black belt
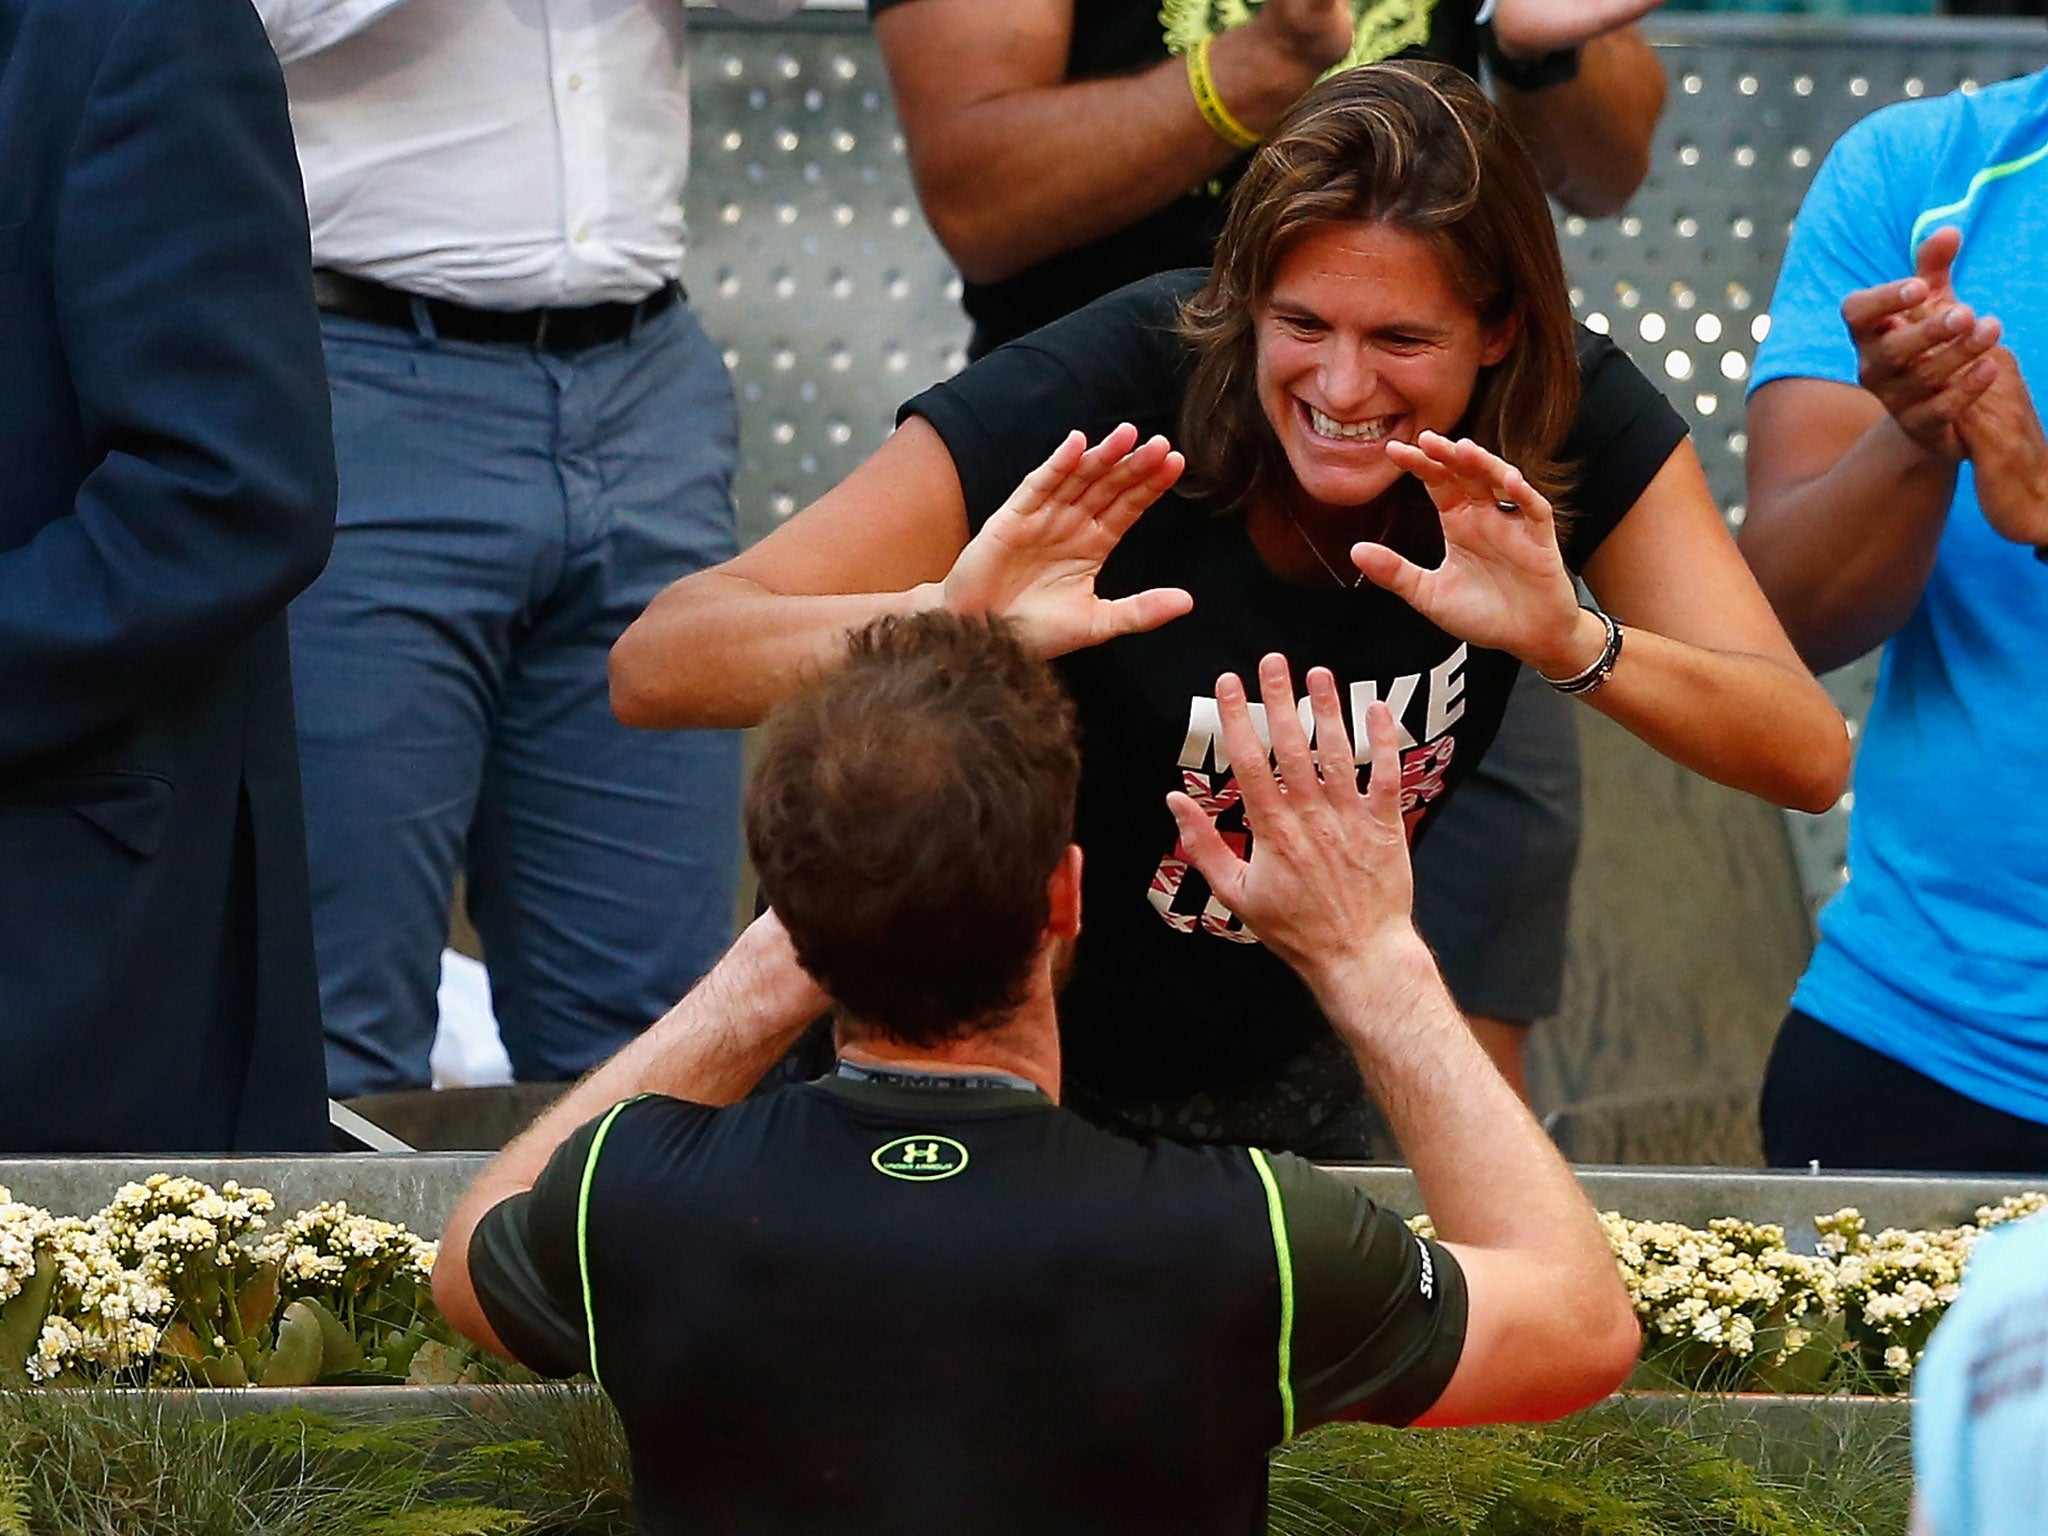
[544,330]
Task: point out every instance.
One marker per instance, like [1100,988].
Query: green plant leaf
[451,1520]
[13,1500]
[223,1370]
[256,1301]
[339,1352]
[295,1362]
[21,1321]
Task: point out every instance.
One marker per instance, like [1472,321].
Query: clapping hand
[1528,29]
[1035,562]
[1502,583]
[1937,368]
[1329,876]
[1921,350]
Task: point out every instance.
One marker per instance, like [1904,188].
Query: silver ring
[1509,507]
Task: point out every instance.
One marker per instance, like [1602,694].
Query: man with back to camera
[1065,148]
[917,1296]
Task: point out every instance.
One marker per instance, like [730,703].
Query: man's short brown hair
[907,812]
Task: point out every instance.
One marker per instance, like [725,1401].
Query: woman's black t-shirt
[1121,37]
[1169,992]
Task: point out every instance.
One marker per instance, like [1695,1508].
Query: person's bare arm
[1849,486]
[1329,889]
[1015,163]
[710,1048]
[1591,137]
[719,648]
[1706,675]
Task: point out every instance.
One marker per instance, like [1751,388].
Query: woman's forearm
[720,650]
[1752,722]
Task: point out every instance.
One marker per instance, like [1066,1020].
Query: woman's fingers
[1419,460]
[1383,568]
[1151,480]
[1039,488]
[1070,470]
[1139,612]
[1119,441]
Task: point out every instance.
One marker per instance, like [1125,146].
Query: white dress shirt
[508,154]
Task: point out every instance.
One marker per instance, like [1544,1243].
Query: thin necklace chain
[1357,577]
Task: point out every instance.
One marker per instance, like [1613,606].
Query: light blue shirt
[1980,1395]
[1936,952]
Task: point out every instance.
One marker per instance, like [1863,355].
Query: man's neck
[1026,1045]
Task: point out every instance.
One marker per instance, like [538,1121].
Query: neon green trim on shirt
[604,1129]
[1978,183]
[1283,1255]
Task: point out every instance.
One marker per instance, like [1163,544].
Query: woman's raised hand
[1502,583]
[1036,560]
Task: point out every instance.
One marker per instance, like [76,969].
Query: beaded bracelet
[1603,665]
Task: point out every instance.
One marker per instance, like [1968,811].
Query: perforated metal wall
[811,263]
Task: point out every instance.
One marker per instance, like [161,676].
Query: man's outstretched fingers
[1283,723]
[1212,857]
[1333,745]
[1247,753]
[1383,789]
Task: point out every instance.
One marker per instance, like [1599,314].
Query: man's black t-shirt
[1121,37]
[938,1311]
[1170,993]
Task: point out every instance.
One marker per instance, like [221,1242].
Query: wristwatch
[1537,74]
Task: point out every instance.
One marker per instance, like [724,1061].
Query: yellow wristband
[1209,102]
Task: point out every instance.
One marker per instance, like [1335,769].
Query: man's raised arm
[1329,889]
[710,1048]
[1016,163]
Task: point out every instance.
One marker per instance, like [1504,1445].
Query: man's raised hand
[1035,562]
[1328,879]
[1921,350]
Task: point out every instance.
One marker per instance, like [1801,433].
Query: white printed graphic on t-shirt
[1207,779]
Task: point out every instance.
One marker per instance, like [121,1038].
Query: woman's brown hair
[1417,146]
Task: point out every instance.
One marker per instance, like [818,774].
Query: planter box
[419,1188]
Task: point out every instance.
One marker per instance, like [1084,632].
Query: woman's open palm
[1036,560]
[1502,583]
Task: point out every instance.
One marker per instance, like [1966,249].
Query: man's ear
[1063,896]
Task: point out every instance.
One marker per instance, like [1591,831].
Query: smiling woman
[1388,278]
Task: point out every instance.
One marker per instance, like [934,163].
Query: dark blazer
[166,487]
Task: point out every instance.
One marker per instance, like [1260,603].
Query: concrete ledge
[419,1188]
